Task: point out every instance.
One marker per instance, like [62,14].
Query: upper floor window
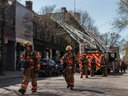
[27,30]
[52,39]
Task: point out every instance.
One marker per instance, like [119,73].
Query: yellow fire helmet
[68,48]
[102,55]
[27,43]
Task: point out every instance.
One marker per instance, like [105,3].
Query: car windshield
[43,61]
[58,62]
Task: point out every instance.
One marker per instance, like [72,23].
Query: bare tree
[112,40]
[121,22]
[48,9]
[88,22]
[8,12]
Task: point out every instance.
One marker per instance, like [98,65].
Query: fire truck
[90,44]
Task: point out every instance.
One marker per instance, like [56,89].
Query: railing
[77,34]
[91,34]
[81,34]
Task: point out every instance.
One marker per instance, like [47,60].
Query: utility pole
[74,6]
[2,37]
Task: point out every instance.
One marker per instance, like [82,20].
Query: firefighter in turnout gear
[31,65]
[103,66]
[123,66]
[84,68]
[93,66]
[69,69]
[77,62]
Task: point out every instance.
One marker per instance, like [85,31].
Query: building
[9,36]
[24,32]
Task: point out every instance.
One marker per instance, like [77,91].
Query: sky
[102,11]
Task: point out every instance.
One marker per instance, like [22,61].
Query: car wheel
[58,72]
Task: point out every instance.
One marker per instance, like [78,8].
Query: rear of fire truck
[112,63]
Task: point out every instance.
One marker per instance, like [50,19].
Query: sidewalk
[11,75]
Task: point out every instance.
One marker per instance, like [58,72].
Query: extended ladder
[91,34]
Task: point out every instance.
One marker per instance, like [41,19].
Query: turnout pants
[69,78]
[29,73]
[84,71]
[92,71]
[104,71]
[122,69]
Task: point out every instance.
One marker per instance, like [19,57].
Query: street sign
[5,40]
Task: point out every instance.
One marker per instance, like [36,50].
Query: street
[113,85]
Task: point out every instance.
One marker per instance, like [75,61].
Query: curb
[11,78]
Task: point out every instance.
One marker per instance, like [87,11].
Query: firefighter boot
[22,91]
[33,91]
[71,88]
[68,86]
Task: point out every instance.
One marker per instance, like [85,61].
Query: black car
[48,67]
[60,66]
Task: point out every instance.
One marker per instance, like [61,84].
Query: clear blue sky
[102,11]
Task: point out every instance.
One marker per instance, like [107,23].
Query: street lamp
[2,34]
[10,2]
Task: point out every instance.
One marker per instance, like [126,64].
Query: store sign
[5,40]
[6,33]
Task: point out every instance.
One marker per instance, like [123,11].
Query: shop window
[27,30]
[60,41]
[57,40]
[35,33]
[52,39]
[47,39]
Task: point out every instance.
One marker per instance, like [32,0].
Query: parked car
[60,66]
[48,67]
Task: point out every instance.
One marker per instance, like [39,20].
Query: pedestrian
[70,68]
[103,64]
[31,65]
[84,68]
[123,66]
[93,66]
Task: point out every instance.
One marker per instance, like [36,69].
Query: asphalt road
[113,85]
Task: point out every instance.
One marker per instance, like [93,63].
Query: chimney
[63,9]
[77,15]
[29,5]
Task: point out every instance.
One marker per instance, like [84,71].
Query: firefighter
[103,66]
[84,68]
[77,62]
[93,66]
[31,65]
[69,72]
[123,66]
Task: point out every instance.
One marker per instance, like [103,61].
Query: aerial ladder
[78,35]
[92,35]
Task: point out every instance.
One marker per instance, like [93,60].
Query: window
[12,23]
[52,39]
[27,30]
[60,41]
[57,40]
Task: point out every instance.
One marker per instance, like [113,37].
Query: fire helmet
[68,48]
[27,43]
